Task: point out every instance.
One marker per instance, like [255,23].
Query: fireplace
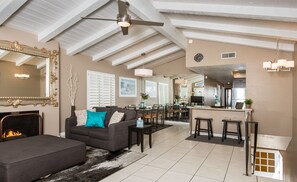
[16,125]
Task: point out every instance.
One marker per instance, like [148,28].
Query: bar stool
[225,129]
[198,127]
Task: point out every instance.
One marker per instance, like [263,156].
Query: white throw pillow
[116,117]
[81,116]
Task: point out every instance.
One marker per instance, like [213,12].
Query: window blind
[100,89]
[163,93]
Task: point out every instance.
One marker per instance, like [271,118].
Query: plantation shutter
[163,93]
[100,89]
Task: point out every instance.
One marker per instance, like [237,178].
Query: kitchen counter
[218,114]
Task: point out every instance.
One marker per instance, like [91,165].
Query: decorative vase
[247,106]
[72,111]
[142,104]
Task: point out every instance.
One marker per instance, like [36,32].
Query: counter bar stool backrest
[225,129]
[198,128]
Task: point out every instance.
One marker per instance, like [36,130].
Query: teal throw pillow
[95,119]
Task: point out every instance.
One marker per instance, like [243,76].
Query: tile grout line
[179,159]
[203,161]
[229,163]
[155,159]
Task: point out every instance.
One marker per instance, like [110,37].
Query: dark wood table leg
[150,137]
[129,138]
[141,135]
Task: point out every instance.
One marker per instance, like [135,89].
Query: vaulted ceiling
[257,23]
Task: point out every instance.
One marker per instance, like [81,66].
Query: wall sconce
[278,64]
[22,76]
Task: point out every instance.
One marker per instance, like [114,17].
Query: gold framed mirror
[28,75]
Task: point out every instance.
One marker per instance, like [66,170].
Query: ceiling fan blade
[125,30]
[105,19]
[141,22]
[122,7]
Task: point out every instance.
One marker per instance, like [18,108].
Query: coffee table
[140,132]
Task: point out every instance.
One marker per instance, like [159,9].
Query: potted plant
[177,97]
[248,103]
[144,96]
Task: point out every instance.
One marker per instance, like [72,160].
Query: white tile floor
[174,159]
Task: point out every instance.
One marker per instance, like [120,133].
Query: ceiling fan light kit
[124,19]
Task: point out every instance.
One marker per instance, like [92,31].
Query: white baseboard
[62,134]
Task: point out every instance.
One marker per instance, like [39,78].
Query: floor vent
[228,55]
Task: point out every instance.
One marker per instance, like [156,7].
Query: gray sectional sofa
[111,138]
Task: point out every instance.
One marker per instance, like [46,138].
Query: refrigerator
[238,95]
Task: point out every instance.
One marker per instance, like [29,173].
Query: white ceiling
[257,23]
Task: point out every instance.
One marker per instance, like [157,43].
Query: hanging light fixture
[278,64]
[142,72]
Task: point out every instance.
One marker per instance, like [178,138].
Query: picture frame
[151,88]
[127,87]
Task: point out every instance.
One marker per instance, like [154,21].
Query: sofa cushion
[99,133]
[81,116]
[81,130]
[95,119]
[116,117]
[108,115]
[129,113]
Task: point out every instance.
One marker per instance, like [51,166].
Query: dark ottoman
[33,157]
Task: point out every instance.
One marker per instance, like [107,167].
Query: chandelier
[142,72]
[278,64]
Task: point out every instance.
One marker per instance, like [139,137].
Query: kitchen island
[218,114]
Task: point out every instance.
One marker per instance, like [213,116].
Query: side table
[140,132]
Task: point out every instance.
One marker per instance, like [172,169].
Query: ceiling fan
[124,19]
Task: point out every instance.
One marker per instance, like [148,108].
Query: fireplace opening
[18,125]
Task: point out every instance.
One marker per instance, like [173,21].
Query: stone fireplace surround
[27,123]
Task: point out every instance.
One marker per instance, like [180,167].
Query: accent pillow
[95,119]
[81,116]
[116,117]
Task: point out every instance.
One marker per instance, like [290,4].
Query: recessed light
[190,41]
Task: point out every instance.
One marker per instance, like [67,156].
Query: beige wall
[80,65]
[51,114]
[174,68]
[272,93]
[290,159]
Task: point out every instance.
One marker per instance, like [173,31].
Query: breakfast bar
[218,114]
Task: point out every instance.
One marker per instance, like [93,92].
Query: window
[163,93]
[100,89]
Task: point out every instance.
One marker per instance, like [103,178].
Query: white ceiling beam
[137,53]
[24,59]
[70,19]
[146,11]
[240,40]
[41,65]
[8,8]
[124,45]
[3,53]
[250,12]
[153,57]
[167,59]
[255,30]
[93,39]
